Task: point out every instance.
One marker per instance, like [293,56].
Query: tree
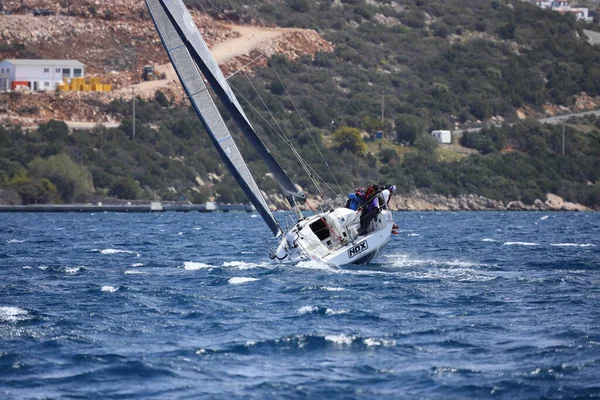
[125,188]
[346,138]
[426,143]
[73,181]
[54,131]
[408,127]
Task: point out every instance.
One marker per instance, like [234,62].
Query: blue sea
[189,306]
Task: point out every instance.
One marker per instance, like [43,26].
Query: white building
[562,6]
[38,75]
[444,137]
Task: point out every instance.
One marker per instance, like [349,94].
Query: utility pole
[133,105]
[563,138]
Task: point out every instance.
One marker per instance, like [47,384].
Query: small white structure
[562,6]
[38,75]
[444,137]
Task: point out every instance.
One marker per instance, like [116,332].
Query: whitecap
[197,229]
[254,216]
[487,240]
[200,351]
[192,266]
[13,314]
[573,245]
[545,217]
[73,270]
[404,260]
[137,265]
[27,267]
[179,233]
[15,241]
[307,309]
[413,234]
[310,264]
[329,311]
[43,268]
[109,289]
[114,251]
[244,265]
[238,280]
[370,342]
[132,272]
[340,339]
[332,289]
[520,244]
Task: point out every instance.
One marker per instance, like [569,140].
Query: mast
[207,111]
[199,51]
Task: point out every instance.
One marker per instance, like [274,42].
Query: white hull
[332,238]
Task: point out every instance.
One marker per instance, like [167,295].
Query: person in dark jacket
[370,210]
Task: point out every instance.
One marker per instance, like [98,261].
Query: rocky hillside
[115,39]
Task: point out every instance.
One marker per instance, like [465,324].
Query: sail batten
[198,49]
[196,90]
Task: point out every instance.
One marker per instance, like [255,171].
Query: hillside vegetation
[434,64]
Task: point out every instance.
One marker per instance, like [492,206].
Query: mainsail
[194,86]
[190,36]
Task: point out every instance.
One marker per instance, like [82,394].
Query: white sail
[194,86]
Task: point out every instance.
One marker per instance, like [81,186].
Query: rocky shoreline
[419,201]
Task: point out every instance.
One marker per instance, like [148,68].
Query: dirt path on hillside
[250,38]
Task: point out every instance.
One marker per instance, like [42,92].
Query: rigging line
[286,140]
[306,127]
[244,66]
[284,136]
[271,249]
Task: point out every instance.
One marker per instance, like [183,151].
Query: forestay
[187,69]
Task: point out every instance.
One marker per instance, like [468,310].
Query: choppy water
[173,306]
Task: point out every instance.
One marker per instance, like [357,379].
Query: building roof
[41,63]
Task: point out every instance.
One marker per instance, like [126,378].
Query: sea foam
[240,280]
[192,266]
[109,289]
[13,314]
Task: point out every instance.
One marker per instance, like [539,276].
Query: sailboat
[331,236]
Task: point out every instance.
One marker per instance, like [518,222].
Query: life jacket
[357,199]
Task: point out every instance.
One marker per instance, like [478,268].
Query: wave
[520,244]
[10,241]
[68,270]
[109,289]
[310,264]
[193,266]
[413,234]
[330,311]
[13,314]
[573,245]
[303,343]
[405,260]
[488,240]
[137,265]
[332,289]
[320,310]
[115,251]
[545,217]
[133,272]
[307,309]
[240,280]
[245,265]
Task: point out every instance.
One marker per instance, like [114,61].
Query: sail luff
[182,21]
[207,111]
